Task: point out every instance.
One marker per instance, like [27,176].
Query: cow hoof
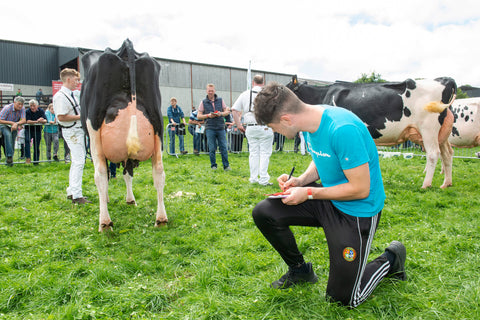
[105,226]
[161,223]
[132,202]
[445,186]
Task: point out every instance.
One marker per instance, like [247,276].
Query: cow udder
[114,136]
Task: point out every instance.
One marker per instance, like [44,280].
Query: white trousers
[260,139]
[302,143]
[75,138]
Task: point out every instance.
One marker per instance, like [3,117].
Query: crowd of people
[39,122]
[22,128]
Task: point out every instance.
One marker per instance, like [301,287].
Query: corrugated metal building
[30,66]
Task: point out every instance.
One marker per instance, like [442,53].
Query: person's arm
[310,175]
[357,187]
[182,116]
[68,117]
[236,118]
[14,125]
[200,115]
[226,110]
[43,118]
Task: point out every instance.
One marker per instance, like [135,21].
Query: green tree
[461,94]
[373,77]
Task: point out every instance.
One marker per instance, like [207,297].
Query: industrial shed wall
[32,66]
[28,64]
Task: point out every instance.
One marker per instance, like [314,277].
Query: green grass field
[210,261]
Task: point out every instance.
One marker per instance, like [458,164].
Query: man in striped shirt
[11,116]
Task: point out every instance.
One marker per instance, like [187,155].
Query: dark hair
[273,101]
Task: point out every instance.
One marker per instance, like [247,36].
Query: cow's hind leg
[159,182]
[128,177]
[101,177]
[446,152]
[433,152]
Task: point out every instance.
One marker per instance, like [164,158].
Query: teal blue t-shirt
[343,142]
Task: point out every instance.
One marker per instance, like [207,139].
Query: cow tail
[436,107]
[133,141]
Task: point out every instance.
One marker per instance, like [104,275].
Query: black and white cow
[121,113]
[395,112]
[466,123]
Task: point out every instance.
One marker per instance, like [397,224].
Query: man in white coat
[67,109]
[260,138]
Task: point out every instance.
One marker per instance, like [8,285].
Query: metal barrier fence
[237,143]
[35,144]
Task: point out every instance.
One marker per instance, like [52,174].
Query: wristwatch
[309,193]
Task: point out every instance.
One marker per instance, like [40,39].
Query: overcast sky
[322,40]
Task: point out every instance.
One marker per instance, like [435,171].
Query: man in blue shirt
[347,203]
[176,118]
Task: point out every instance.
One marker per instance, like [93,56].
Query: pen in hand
[291,173]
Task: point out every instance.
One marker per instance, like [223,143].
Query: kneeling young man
[347,203]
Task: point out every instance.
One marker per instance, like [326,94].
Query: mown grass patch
[210,261]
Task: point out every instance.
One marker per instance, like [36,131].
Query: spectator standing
[112,169]
[11,116]
[21,141]
[19,93]
[68,116]
[195,128]
[51,133]
[347,204]
[66,149]
[212,109]
[39,95]
[278,140]
[299,142]
[35,118]
[259,137]
[2,146]
[175,119]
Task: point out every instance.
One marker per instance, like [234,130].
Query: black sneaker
[397,269]
[293,277]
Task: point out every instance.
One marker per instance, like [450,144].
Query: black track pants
[351,280]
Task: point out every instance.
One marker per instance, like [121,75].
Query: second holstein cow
[121,111]
[466,124]
[395,112]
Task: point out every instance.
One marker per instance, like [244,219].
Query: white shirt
[63,105]
[242,105]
